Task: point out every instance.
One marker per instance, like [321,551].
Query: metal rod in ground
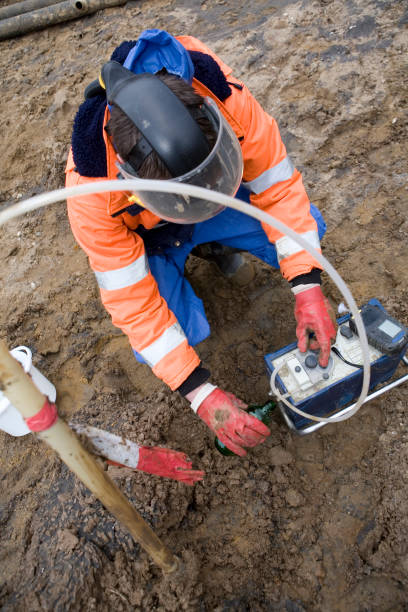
[24,7]
[18,387]
[50,15]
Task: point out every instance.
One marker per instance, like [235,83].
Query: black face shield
[168,128]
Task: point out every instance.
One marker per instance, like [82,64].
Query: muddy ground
[303,523]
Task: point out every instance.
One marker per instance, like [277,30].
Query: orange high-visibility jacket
[117,254]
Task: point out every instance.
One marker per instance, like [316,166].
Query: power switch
[298,373]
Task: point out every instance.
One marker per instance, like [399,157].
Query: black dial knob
[311,361]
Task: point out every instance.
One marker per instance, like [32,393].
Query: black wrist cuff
[307,279]
[196,378]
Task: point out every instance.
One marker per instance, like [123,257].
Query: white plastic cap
[11,420]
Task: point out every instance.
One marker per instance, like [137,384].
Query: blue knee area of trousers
[231,228]
[246,233]
[266,251]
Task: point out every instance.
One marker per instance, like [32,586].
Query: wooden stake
[18,387]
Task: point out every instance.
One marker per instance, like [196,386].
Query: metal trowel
[109,445]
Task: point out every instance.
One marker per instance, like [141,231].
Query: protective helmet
[171,130]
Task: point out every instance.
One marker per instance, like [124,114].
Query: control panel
[302,375]
[325,391]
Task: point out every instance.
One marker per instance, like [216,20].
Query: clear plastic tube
[50,197]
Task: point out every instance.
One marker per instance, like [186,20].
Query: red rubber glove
[313,313]
[166,463]
[224,415]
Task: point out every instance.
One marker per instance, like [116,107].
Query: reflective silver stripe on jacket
[168,341]
[285,246]
[281,172]
[124,277]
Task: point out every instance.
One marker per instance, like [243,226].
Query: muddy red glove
[167,463]
[225,416]
[313,313]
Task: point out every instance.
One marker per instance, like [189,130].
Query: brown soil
[303,523]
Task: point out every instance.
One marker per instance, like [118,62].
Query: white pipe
[44,199]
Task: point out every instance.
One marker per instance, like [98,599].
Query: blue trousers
[230,228]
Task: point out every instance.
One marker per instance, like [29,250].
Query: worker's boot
[229,261]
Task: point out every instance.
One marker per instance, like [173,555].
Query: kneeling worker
[170,109]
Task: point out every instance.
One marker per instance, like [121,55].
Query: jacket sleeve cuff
[312,277]
[194,380]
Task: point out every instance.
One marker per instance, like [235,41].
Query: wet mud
[302,523]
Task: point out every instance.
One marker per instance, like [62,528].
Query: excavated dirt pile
[303,523]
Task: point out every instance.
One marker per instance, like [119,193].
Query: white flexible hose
[44,199]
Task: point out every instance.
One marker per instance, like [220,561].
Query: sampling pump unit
[310,396]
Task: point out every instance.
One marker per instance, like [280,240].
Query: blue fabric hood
[157,49]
